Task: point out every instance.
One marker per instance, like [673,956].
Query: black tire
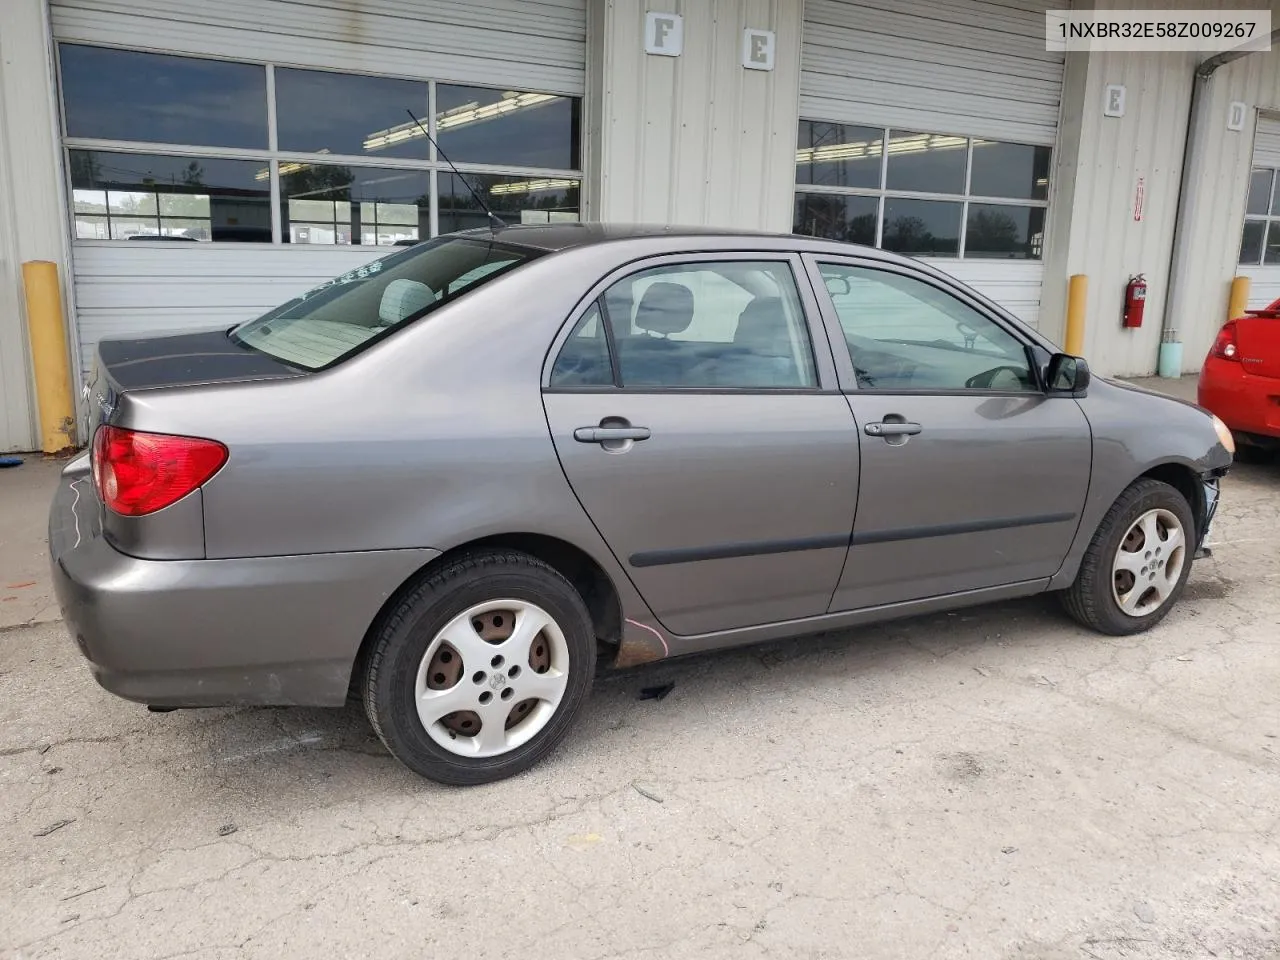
[406,633]
[1091,599]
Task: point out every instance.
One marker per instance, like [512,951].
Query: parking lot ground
[994,783]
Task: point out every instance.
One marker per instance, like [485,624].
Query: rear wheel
[1137,565]
[481,669]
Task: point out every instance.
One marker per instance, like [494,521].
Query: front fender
[1137,433]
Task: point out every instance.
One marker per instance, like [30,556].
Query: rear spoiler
[1270,312]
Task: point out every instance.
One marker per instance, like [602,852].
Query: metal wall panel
[147,288]
[534,44]
[944,66]
[695,139]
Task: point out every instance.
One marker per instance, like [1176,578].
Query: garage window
[920,193]
[1260,242]
[163,147]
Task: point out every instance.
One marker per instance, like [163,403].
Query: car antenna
[497,222]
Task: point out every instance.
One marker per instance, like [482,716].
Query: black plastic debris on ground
[656,693]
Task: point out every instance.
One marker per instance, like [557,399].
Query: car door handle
[610,434]
[890,428]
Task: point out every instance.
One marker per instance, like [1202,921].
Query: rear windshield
[336,319]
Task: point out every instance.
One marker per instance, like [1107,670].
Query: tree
[994,231]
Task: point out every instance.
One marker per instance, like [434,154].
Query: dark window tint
[1009,170]
[138,196]
[507,128]
[850,219]
[318,112]
[1259,191]
[584,358]
[838,154]
[926,162]
[1272,253]
[513,199]
[905,334]
[123,95]
[921,227]
[999,230]
[1251,242]
[333,320]
[372,206]
[732,324]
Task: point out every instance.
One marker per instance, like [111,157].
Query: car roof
[563,236]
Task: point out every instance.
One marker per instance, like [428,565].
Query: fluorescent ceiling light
[531,186]
[920,143]
[457,117]
[291,166]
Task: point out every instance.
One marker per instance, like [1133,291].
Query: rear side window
[336,319]
[732,324]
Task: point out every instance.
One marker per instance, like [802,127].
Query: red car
[1240,381]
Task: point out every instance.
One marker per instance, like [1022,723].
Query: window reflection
[124,95]
[321,112]
[1002,230]
[131,196]
[507,127]
[1259,192]
[838,154]
[1251,241]
[850,219]
[513,199]
[921,227]
[926,162]
[338,204]
[1014,170]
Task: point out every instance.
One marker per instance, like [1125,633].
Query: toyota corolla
[448,483]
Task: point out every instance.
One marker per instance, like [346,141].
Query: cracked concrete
[993,783]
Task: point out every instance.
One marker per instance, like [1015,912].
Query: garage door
[1262,216]
[928,129]
[223,157]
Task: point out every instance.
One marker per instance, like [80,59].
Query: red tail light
[138,473]
[1226,347]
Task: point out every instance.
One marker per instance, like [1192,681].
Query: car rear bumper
[188,633]
[1246,403]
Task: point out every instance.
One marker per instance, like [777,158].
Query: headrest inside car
[403,298]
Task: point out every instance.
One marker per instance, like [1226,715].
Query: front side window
[732,324]
[337,318]
[212,140]
[906,334]
[1260,242]
[921,194]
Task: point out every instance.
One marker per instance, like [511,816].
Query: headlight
[1224,436]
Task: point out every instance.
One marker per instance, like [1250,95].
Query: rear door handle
[610,434]
[890,428]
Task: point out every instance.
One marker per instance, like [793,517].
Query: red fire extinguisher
[1135,301]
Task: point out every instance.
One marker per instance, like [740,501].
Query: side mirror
[1067,376]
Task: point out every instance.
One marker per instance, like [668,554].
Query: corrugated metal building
[191,164]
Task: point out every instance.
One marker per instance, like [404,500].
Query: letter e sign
[663,34]
[757,49]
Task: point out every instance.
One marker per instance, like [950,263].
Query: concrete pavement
[26,592]
[996,783]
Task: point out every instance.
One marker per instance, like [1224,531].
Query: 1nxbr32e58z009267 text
[1156,31]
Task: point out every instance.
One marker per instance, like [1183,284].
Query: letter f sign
[664,34]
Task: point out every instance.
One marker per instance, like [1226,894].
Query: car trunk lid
[186,359]
[1258,340]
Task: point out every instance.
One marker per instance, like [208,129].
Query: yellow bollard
[1239,300]
[48,335]
[1077,290]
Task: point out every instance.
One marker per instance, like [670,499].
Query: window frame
[815,328]
[1267,219]
[882,193]
[273,158]
[844,359]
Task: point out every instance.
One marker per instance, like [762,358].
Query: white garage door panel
[123,291]
[1015,285]
[534,44]
[1264,284]
[946,66]
[1266,143]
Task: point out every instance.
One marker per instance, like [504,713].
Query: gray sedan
[453,481]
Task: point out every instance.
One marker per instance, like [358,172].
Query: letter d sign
[663,34]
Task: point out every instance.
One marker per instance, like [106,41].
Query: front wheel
[479,672]
[1138,562]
